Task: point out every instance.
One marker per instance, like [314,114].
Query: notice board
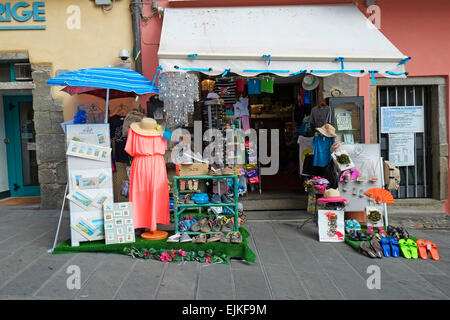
[89,178]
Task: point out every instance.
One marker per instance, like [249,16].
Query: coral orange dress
[149,192]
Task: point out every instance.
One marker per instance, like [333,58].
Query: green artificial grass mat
[232,250]
[355,244]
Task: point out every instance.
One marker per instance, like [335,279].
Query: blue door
[21,146]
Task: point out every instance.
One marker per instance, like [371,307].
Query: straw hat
[310,82]
[332,195]
[147,127]
[327,130]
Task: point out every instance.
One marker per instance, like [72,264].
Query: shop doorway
[20,140]
[415,178]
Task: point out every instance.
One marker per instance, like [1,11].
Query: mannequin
[149,191]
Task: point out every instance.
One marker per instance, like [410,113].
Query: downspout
[135,8]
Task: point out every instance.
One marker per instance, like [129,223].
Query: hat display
[310,82]
[327,130]
[146,127]
[331,195]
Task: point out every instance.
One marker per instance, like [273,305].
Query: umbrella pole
[106,105]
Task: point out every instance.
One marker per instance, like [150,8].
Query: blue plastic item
[394,247]
[200,198]
[386,247]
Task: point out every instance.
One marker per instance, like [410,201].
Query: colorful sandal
[404,248]
[422,247]
[384,242]
[377,248]
[382,231]
[370,230]
[349,226]
[394,247]
[433,250]
[366,249]
[412,248]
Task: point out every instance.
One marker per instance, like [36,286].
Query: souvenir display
[119,227]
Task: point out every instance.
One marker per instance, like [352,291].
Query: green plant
[343,159]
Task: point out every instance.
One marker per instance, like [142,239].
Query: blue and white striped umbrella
[121,79]
[107,78]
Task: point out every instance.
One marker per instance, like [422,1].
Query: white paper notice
[402,119]
[401,149]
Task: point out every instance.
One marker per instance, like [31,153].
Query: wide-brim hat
[332,195]
[310,82]
[146,127]
[327,130]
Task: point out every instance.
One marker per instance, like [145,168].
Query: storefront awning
[282,40]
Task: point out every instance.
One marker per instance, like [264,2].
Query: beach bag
[391,176]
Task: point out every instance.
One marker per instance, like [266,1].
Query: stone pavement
[291,264]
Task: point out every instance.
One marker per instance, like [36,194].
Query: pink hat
[331,195]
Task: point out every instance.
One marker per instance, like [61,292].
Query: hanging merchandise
[148,178]
[207,85]
[320,115]
[267,84]
[322,145]
[178,91]
[240,85]
[226,89]
[254,86]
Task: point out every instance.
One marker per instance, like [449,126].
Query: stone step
[281,202]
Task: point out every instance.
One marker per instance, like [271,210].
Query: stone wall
[50,140]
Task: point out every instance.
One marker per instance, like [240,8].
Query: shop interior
[282,106]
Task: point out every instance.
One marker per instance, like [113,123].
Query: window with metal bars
[415,180]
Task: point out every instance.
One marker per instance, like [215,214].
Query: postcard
[119,231]
[101,178]
[130,229]
[89,151]
[128,221]
[110,236]
[80,199]
[88,183]
[101,139]
[100,199]
[78,139]
[123,205]
[109,226]
[83,227]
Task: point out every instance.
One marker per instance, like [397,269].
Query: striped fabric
[108,78]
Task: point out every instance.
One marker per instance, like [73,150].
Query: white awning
[282,40]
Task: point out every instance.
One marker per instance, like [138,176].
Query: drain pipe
[135,8]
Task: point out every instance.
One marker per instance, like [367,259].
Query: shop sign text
[22,12]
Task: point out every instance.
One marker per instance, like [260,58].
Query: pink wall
[420,29]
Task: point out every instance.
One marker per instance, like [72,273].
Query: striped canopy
[121,79]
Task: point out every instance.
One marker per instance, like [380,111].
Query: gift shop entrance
[258,80]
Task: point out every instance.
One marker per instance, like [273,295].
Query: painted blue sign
[21,12]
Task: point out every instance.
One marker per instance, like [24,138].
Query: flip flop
[384,242]
[366,249]
[394,247]
[421,245]
[377,248]
[413,248]
[433,250]
[404,248]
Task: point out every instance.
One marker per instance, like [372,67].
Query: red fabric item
[240,85]
[149,192]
